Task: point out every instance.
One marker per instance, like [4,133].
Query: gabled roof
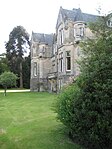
[42,38]
[75,15]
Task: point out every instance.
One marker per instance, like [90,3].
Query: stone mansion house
[54,56]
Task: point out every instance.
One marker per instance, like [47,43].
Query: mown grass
[28,122]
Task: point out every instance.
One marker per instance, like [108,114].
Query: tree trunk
[5,89]
[21,75]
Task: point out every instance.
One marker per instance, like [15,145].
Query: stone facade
[54,56]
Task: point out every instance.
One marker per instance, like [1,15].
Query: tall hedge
[87,110]
[64,105]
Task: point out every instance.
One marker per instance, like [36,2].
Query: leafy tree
[89,116]
[94,106]
[17,46]
[26,72]
[7,79]
[3,63]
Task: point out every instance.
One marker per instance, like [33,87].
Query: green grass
[28,122]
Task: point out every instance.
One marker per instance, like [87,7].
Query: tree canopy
[7,79]
[3,63]
[16,48]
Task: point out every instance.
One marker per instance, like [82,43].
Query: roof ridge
[79,9]
[90,14]
[42,33]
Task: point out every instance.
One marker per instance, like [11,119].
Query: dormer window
[79,30]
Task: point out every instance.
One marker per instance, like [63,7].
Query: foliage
[64,104]
[7,79]
[91,108]
[26,72]
[3,63]
[17,46]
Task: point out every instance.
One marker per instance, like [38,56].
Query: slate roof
[42,38]
[76,15]
[73,15]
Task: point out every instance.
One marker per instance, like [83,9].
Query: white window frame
[61,62]
[79,30]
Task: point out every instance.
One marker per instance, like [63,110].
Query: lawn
[27,121]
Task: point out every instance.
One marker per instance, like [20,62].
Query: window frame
[61,36]
[79,30]
[61,62]
[68,60]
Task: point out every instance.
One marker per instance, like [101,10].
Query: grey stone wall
[39,85]
[33,84]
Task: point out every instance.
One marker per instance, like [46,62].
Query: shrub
[64,105]
[92,121]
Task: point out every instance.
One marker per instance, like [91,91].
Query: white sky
[40,15]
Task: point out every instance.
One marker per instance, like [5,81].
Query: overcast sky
[40,15]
